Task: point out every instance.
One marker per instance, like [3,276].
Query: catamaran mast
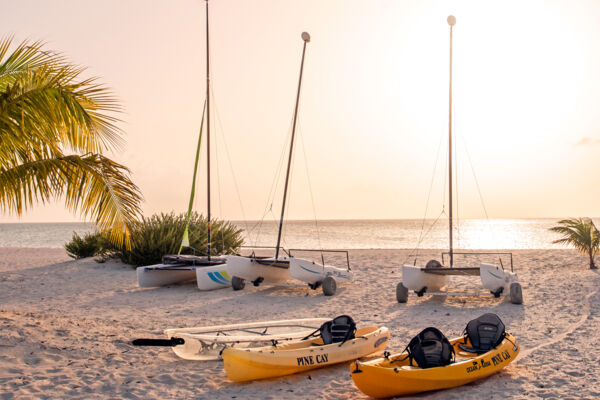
[306,39]
[451,22]
[207,137]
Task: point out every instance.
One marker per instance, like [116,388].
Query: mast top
[451,20]
[305,37]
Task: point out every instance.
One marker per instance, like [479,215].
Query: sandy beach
[67,327]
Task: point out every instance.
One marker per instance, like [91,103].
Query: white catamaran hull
[213,277]
[208,277]
[311,272]
[252,269]
[494,278]
[207,343]
[164,274]
[415,279]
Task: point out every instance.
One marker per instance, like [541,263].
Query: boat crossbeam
[470,294]
[464,271]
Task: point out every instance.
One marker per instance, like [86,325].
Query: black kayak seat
[338,330]
[485,333]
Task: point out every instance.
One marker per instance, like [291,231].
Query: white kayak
[207,343]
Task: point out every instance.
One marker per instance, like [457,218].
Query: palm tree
[582,234]
[54,127]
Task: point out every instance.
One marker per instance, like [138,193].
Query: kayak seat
[430,348]
[338,330]
[484,333]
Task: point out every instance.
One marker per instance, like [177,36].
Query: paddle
[174,341]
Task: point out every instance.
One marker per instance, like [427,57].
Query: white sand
[66,327]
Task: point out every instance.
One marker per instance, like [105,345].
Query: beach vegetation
[90,244]
[158,235]
[582,234]
[55,129]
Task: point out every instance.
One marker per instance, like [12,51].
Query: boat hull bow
[312,273]
[252,269]
[414,278]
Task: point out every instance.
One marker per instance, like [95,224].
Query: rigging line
[415,250]
[437,157]
[222,131]
[216,158]
[289,196]
[227,152]
[275,182]
[272,191]
[312,199]
[278,175]
[457,191]
[476,180]
[489,223]
[444,199]
[278,170]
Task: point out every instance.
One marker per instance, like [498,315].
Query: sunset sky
[374,103]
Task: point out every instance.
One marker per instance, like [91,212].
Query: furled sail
[185,240]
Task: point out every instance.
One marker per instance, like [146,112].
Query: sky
[373,115]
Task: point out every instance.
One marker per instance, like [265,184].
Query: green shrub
[161,234]
[88,245]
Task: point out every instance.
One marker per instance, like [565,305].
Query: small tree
[580,233]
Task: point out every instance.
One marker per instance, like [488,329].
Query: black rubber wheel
[516,293]
[237,283]
[329,286]
[401,293]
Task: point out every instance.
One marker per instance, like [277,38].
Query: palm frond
[581,233]
[47,104]
[46,111]
[25,57]
[96,186]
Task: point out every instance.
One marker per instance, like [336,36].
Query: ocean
[474,234]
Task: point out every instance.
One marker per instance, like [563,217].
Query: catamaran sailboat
[281,268]
[433,277]
[208,271]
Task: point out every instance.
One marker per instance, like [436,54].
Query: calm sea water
[338,234]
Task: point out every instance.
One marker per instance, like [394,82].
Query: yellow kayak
[289,358]
[394,376]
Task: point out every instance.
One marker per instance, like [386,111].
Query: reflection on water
[339,234]
[407,234]
[40,235]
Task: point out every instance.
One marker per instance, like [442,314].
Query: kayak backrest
[430,348]
[339,329]
[484,333]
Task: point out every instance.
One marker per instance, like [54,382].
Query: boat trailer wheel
[237,283]
[329,286]
[516,293]
[401,293]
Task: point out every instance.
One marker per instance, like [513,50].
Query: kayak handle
[174,341]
